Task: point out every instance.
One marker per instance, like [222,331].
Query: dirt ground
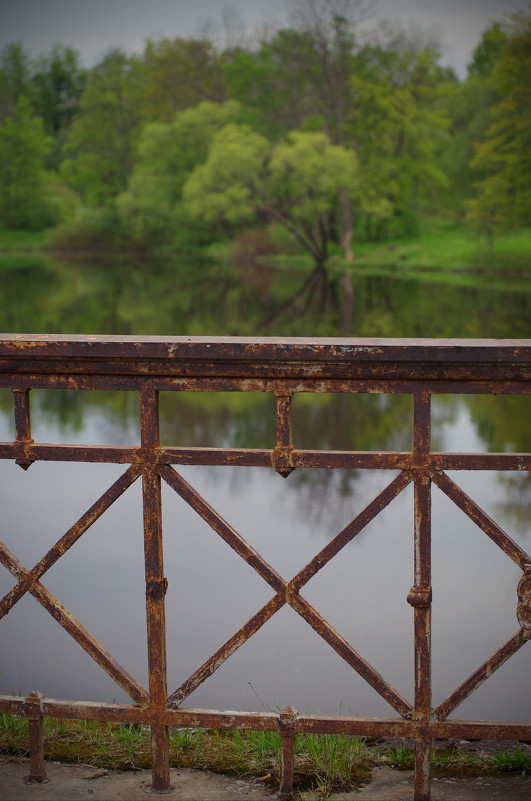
[73,782]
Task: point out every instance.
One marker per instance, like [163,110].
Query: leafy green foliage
[23,146]
[178,74]
[518,759]
[488,51]
[58,84]
[136,136]
[100,146]
[504,196]
[15,78]
[297,182]
[167,153]
[396,124]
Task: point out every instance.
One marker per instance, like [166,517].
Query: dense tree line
[333,137]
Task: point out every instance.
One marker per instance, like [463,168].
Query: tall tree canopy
[178,74]
[23,145]
[504,195]
[167,153]
[99,150]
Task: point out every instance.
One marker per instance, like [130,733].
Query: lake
[362,592]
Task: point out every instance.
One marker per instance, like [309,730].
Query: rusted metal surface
[34,713]
[283,367]
[523,611]
[287,751]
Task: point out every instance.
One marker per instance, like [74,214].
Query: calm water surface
[212,592]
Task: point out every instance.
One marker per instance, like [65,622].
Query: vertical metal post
[287,753]
[33,710]
[420,598]
[22,424]
[156,586]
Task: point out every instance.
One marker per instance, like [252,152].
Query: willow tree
[297,182]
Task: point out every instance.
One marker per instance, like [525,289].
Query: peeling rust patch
[524,601]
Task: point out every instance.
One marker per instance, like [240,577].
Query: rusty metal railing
[284,367]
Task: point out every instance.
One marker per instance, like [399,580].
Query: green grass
[21,249]
[517,760]
[17,241]
[446,247]
[324,764]
[441,248]
[442,253]
[452,762]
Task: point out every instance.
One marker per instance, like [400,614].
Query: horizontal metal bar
[71,453]
[481,730]
[267,358]
[263,457]
[221,348]
[479,461]
[268,721]
[135,383]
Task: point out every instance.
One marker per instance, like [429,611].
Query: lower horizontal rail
[269,721]
[164,383]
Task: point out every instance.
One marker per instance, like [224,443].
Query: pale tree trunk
[346,227]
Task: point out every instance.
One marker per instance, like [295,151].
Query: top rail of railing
[298,358]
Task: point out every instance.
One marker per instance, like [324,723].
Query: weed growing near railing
[513,760]
[400,757]
[451,761]
[332,762]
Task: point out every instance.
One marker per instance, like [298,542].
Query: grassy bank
[324,763]
[453,248]
[21,249]
[21,241]
[441,251]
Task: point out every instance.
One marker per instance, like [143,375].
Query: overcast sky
[94,26]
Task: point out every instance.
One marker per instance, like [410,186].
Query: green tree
[23,146]
[395,126]
[300,79]
[99,150]
[15,78]
[179,73]
[297,182]
[467,106]
[58,83]
[488,50]
[503,197]
[167,153]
